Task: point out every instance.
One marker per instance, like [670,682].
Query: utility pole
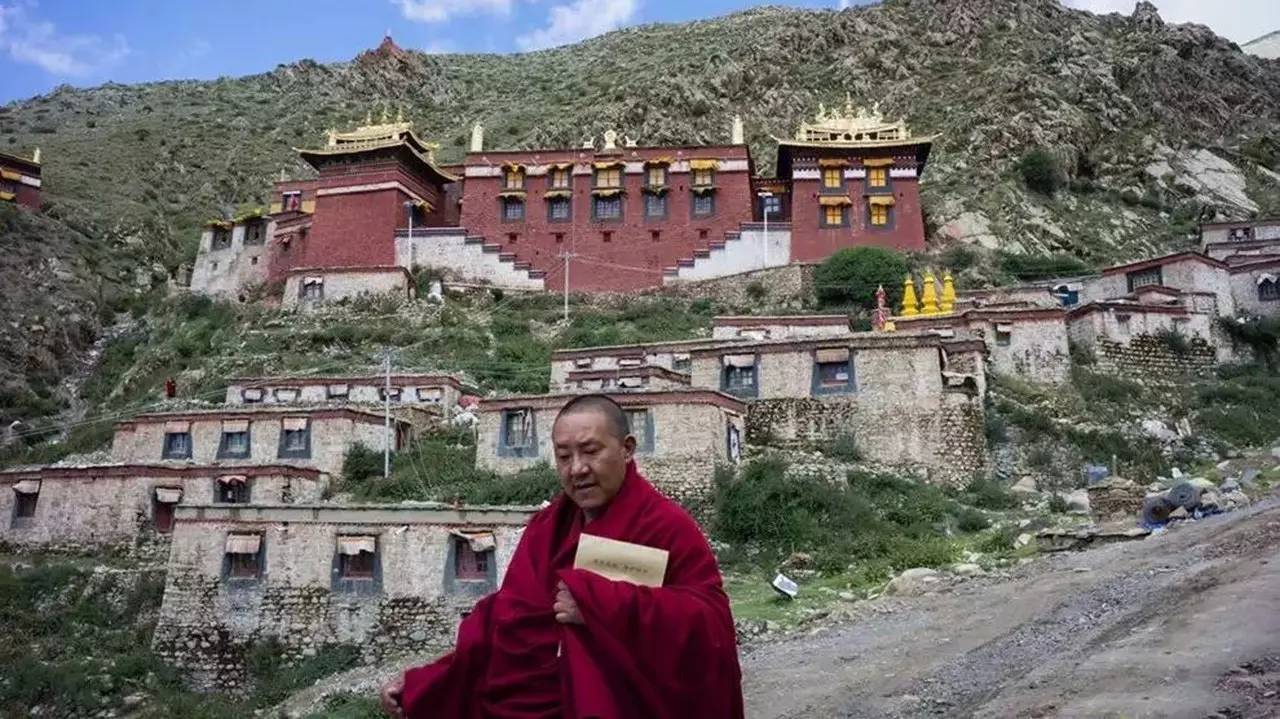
[386,416]
[566,256]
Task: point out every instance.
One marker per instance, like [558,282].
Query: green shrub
[1173,340]
[998,541]
[971,520]
[845,448]
[1099,387]
[756,291]
[852,275]
[1057,504]
[1041,171]
[1081,355]
[958,257]
[361,463]
[1260,334]
[989,493]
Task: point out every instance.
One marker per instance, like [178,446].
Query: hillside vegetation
[1141,127]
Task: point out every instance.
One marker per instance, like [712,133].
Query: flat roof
[1129,307]
[1246,223]
[624,399]
[751,320]
[345,269]
[596,155]
[347,379]
[250,411]
[648,370]
[127,470]
[641,349]
[426,513]
[855,340]
[1188,255]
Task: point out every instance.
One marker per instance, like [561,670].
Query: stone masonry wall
[1150,359]
[208,623]
[790,286]
[345,285]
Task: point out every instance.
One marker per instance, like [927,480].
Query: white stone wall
[777,331]
[225,272]
[1244,289]
[1088,329]
[207,623]
[751,250]
[345,285]
[610,358]
[1186,275]
[331,437]
[96,512]
[616,384]
[1036,349]
[880,373]
[469,261]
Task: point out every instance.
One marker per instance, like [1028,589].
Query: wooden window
[232,490]
[513,179]
[295,438]
[771,206]
[703,177]
[1003,338]
[657,176]
[1269,291]
[877,177]
[392,394]
[1144,278]
[560,178]
[640,426]
[162,517]
[833,374]
[234,445]
[177,445]
[312,289]
[221,238]
[558,209]
[608,208]
[739,378]
[512,209]
[518,425]
[655,206]
[255,233]
[879,215]
[832,178]
[832,216]
[468,563]
[291,201]
[243,566]
[704,205]
[609,177]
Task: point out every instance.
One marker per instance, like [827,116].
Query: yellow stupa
[948,294]
[929,294]
[910,308]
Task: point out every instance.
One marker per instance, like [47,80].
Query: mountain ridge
[1153,126]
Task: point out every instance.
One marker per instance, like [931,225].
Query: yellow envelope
[621,561]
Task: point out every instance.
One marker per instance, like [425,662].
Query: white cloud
[1236,20]
[441,10]
[36,42]
[579,20]
[846,4]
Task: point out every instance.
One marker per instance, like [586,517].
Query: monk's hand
[566,608]
[390,696]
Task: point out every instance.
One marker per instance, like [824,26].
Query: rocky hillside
[1267,46]
[1153,126]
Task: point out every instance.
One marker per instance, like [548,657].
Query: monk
[555,641]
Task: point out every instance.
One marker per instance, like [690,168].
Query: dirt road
[1182,624]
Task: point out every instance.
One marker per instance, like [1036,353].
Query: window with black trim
[1145,278]
[655,206]
[517,428]
[312,289]
[255,233]
[877,177]
[880,214]
[291,201]
[704,204]
[177,445]
[832,178]
[295,438]
[468,563]
[357,557]
[243,557]
[25,500]
[234,443]
[221,238]
[656,176]
[559,178]
[834,216]
[640,426]
[231,490]
[771,206]
[607,208]
[1269,290]
[558,209]
[512,209]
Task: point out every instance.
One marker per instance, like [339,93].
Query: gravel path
[1182,624]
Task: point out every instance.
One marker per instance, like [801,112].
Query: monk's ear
[629,446]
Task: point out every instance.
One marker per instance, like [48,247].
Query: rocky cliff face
[1154,126]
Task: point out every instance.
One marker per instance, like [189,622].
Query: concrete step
[507,256]
[701,253]
[492,248]
[473,240]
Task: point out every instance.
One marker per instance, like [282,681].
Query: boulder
[1077,501]
[914,582]
[1201,483]
[1210,501]
[1179,513]
[967,569]
[1234,499]
[1229,485]
[1023,540]
[1026,485]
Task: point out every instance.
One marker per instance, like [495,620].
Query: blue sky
[45,43]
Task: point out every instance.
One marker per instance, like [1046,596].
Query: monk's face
[591,458]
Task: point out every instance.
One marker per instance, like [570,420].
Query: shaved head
[615,418]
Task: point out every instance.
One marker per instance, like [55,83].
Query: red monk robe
[641,652]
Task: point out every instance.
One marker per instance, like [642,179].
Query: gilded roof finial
[928,294]
[948,293]
[610,140]
[848,105]
[368,118]
[333,136]
[386,114]
[399,114]
[822,112]
[36,156]
[910,308]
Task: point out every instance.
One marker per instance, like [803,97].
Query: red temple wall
[28,196]
[812,243]
[631,258]
[354,229]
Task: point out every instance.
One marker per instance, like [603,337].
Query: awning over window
[480,540]
[630,361]
[1004,327]
[878,162]
[606,164]
[556,194]
[294,424]
[680,357]
[881,200]
[659,161]
[562,165]
[513,166]
[177,427]
[607,191]
[313,280]
[832,162]
[739,360]
[430,393]
[352,546]
[1265,277]
[10,175]
[168,495]
[582,362]
[704,164]
[512,194]
[835,354]
[235,425]
[251,394]
[834,200]
[630,381]
[243,543]
[232,479]
[27,486]
[339,390]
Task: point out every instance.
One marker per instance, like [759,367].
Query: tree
[852,275]
[1041,172]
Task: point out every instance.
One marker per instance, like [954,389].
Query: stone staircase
[740,251]
[470,256]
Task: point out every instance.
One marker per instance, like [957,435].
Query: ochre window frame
[608,173]
[878,177]
[839,216]
[879,215]
[828,173]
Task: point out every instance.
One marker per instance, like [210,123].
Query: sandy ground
[1181,624]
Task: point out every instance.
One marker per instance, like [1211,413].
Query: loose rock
[914,582]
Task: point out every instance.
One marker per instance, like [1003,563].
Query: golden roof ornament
[610,140]
[851,124]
